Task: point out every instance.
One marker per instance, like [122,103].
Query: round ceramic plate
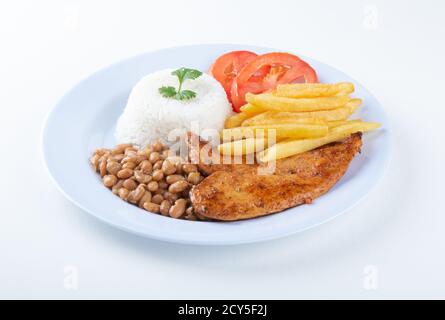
[85,118]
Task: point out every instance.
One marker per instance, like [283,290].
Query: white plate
[84,119]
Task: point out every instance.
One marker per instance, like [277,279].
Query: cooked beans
[170,196]
[141,177]
[174,178]
[178,186]
[158,165]
[123,193]
[154,157]
[129,165]
[158,175]
[168,167]
[130,184]
[116,187]
[178,209]
[157,146]
[146,167]
[95,161]
[153,186]
[151,178]
[136,194]
[109,180]
[145,198]
[125,173]
[194,178]
[188,167]
[152,207]
[157,198]
[103,168]
[165,207]
[113,167]
[163,185]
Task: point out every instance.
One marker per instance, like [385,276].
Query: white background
[394,48]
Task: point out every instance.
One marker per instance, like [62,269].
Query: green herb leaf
[182,74]
[186,95]
[167,92]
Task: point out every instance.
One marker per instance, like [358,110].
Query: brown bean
[145,198]
[123,193]
[136,159]
[125,173]
[179,168]
[120,148]
[178,186]
[170,196]
[168,167]
[109,180]
[157,198]
[118,157]
[178,209]
[95,161]
[117,186]
[163,185]
[152,207]
[113,167]
[130,184]
[102,151]
[103,168]
[194,178]
[141,177]
[130,151]
[165,207]
[154,157]
[136,194]
[129,165]
[146,167]
[158,165]
[160,191]
[189,167]
[174,178]
[152,186]
[158,146]
[158,175]
[166,153]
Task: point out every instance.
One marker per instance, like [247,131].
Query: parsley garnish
[182,74]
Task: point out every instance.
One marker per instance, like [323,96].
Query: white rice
[149,117]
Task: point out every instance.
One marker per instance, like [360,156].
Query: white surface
[48,46]
[85,120]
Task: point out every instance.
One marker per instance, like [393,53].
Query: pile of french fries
[293,119]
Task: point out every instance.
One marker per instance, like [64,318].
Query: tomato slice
[266,71]
[227,67]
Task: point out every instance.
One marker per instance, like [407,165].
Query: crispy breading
[234,192]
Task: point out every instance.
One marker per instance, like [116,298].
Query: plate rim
[228,241]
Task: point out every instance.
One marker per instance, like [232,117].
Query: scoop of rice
[149,117]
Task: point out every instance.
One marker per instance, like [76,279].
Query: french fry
[353,105]
[242,147]
[270,102]
[335,124]
[252,110]
[293,130]
[353,126]
[236,120]
[292,147]
[271,117]
[314,90]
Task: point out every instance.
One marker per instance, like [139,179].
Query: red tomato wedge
[266,71]
[227,67]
